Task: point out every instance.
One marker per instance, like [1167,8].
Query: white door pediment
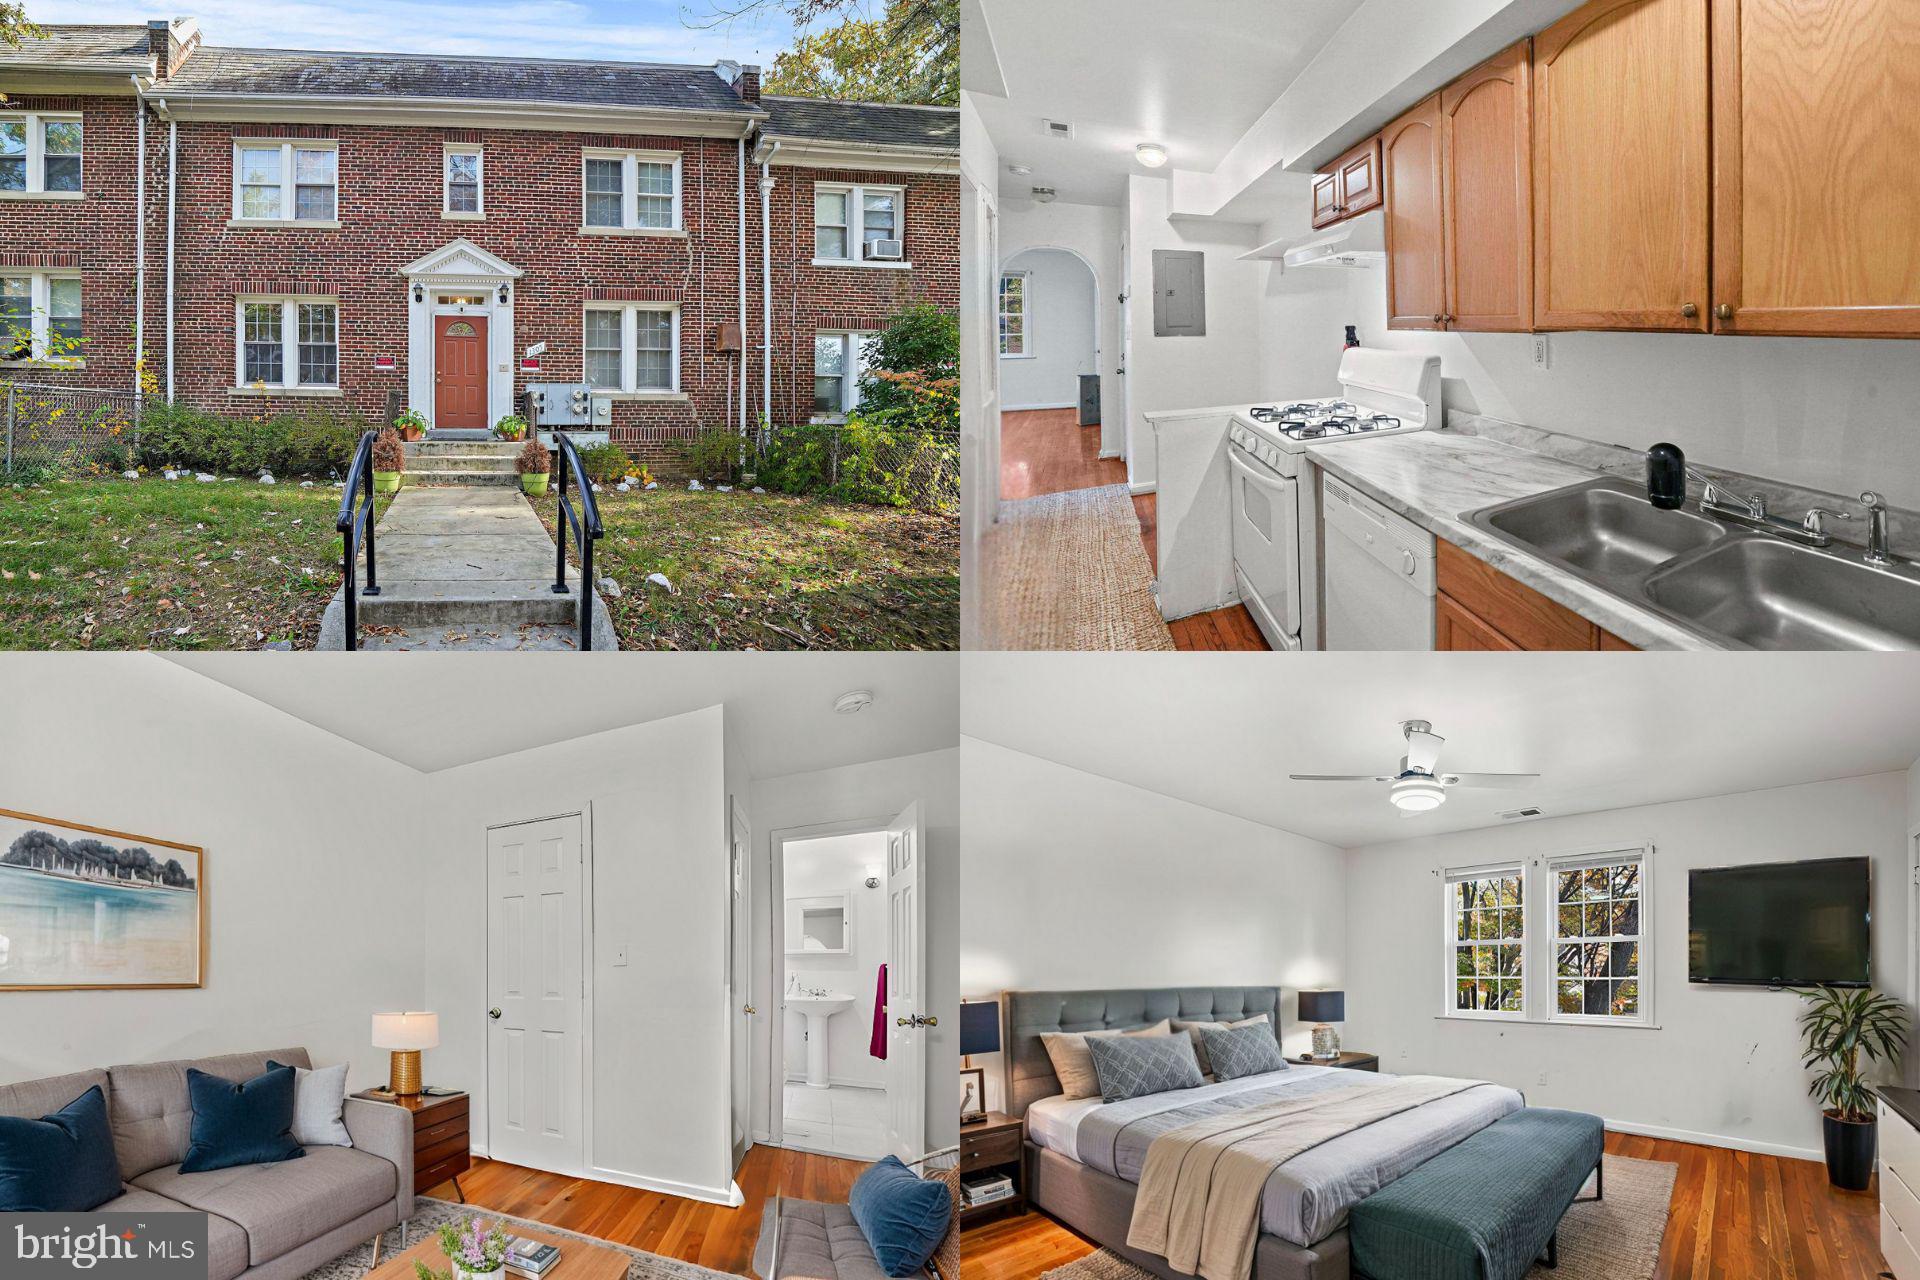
[461,259]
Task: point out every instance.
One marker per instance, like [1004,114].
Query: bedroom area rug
[1613,1239]
[429,1215]
[1067,571]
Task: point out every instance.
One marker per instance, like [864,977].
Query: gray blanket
[1307,1198]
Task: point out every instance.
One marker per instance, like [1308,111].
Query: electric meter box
[564,404]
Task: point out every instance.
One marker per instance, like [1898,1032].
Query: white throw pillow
[319,1096]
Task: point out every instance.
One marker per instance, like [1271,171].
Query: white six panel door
[534,994]
[906,987]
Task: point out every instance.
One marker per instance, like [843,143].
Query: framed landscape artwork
[86,908]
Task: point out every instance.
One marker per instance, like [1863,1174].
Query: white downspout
[766,285]
[139,236]
[742,237]
[173,187]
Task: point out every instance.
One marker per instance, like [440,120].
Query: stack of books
[531,1258]
[985,1188]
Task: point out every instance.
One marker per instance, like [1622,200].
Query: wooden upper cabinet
[1621,187]
[1817,167]
[1410,168]
[1486,134]
[1350,186]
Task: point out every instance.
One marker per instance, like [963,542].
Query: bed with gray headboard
[1303,1234]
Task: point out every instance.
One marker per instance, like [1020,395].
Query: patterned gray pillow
[1130,1066]
[1242,1051]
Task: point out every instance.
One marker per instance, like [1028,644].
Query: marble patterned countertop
[1434,478]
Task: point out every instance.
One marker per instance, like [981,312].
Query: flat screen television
[1781,924]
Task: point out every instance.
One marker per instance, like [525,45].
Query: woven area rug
[1617,1238]
[1067,571]
[428,1215]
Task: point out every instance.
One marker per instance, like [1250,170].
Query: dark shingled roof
[868,123]
[85,48]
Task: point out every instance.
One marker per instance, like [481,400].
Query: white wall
[1094,233]
[1075,880]
[1723,1065]
[877,789]
[841,865]
[1060,332]
[312,870]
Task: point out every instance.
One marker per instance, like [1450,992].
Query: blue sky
[623,30]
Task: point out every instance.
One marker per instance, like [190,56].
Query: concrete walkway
[466,568]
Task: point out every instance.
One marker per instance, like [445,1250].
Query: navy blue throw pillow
[903,1217]
[62,1163]
[240,1123]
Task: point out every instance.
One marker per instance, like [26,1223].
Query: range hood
[1358,242]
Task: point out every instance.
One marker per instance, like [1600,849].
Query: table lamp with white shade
[406,1034]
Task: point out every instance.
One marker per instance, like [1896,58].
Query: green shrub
[874,459]
[605,463]
[922,339]
[315,441]
[712,455]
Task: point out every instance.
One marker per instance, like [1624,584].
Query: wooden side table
[442,1143]
[1351,1061]
[994,1144]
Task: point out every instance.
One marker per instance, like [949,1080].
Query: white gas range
[1275,511]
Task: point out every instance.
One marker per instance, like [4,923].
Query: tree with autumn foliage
[910,53]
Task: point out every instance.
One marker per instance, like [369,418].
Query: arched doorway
[1048,322]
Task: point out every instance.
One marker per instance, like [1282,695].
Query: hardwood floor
[710,1235]
[1734,1215]
[1047,451]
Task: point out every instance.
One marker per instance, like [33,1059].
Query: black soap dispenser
[1666,476]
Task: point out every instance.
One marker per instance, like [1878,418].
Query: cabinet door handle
[1723,311]
[1439,319]
[1689,310]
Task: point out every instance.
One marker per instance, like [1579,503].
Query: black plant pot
[1850,1147]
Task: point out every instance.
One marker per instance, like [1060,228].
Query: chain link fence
[68,430]
[880,463]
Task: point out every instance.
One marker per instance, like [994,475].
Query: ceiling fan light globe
[1417,795]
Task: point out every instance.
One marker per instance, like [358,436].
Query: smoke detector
[1060,129]
[853,702]
[1044,195]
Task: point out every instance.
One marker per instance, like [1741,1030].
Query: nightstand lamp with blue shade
[1323,1008]
[979,1033]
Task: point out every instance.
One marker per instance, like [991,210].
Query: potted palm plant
[389,460]
[533,463]
[511,427]
[1843,1031]
[412,424]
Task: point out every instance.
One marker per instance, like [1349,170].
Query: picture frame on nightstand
[973,1095]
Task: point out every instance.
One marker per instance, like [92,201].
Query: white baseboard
[1113,453]
[1137,487]
[1714,1140]
[1029,408]
[850,1082]
[730,1195]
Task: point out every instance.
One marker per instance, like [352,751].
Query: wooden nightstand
[442,1147]
[994,1144]
[1351,1061]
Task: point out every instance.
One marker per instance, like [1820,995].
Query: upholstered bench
[808,1240]
[1486,1208]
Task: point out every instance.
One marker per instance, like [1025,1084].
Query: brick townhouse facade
[365,230]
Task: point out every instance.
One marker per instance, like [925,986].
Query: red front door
[460,371]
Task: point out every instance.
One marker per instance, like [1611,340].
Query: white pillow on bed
[1199,1046]
[1073,1063]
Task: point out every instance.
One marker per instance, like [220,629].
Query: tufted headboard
[1030,1013]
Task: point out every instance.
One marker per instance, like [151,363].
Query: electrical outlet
[1543,1078]
[1542,351]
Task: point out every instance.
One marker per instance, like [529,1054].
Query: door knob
[1689,310]
[903,1022]
[1724,311]
[749,1009]
[493,1013]
[931,1020]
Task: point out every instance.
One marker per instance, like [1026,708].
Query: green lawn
[769,571]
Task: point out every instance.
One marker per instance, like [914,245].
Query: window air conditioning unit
[888,250]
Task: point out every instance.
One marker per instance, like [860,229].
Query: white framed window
[838,362]
[462,173]
[1600,926]
[286,181]
[1015,291]
[859,224]
[1486,934]
[629,190]
[41,154]
[287,342]
[632,347]
[40,316]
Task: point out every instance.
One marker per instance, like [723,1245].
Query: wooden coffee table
[578,1260]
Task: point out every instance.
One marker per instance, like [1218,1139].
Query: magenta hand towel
[878,1045]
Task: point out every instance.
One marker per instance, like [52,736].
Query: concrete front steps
[474,462]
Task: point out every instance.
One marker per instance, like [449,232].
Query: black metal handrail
[586,525]
[355,523]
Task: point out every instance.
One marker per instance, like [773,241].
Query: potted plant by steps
[1843,1031]
[511,427]
[475,1251]
[389,460]
[412,425]
[533,463]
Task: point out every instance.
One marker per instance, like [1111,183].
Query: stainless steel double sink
[1738,588]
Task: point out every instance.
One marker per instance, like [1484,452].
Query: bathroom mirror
[819,926]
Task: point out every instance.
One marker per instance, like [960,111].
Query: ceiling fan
[1417,788]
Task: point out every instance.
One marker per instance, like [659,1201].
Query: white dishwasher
[1377,576]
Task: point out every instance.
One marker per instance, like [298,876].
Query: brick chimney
[747,84]
[171,43]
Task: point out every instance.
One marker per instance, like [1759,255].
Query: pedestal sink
[816,1010]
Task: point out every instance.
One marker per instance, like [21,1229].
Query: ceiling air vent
[1061,129]
[1520,815]
[1044,195]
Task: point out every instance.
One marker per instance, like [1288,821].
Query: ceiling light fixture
[1150,154]
[1044,195]
[1417,793]
[853,702]
[1019,170]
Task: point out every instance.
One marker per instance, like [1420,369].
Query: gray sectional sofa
[270,1221]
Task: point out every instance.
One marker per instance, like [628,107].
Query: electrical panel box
[562,404]
[603,411]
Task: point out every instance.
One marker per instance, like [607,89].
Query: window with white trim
[40,316]
[1014,289]
[461,166]
[1487,934]
[633,347]
[630,190]
[40,154]
[287,342]
[858,224]
[295,181]
[1598,924]
[838,362]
